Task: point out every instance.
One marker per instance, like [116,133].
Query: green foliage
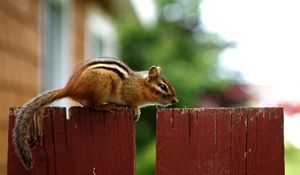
[188,63]
[187,55]
[146,159]
[292,159]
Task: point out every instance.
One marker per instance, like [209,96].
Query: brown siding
[79,15]
[20,56]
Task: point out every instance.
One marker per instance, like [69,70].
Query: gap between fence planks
[91,142]
[241,141]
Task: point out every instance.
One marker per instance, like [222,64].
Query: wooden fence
[91,142]
[220,141]
[189,141]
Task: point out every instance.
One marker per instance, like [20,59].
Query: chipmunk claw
[136,115]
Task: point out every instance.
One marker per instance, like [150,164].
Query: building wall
[23,52]
[79,27]
[20,54]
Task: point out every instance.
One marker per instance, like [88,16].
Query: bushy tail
[23,119]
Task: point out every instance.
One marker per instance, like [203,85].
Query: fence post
[220,141]
[90,142]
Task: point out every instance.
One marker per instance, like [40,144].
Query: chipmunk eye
[163,87]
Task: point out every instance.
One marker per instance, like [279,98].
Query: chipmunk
[101,84]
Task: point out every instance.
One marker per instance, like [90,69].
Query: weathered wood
[189,141]
[220,141]
[91,142]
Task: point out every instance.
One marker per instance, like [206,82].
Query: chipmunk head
[163,91]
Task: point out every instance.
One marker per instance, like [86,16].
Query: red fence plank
[206,151]
[223,141]
[91,142]
[189,141]
[265,141]
[238,141]
[220,141]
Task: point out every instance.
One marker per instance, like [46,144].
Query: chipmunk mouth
[175,100]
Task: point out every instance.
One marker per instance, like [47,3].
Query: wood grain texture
[220,141]
[91,142]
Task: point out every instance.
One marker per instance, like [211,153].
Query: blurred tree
[187,54]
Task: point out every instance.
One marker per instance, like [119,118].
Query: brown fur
[23,119]
[95,87]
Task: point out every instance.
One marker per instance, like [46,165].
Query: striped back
[111,64]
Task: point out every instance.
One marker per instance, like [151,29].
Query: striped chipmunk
[101,84]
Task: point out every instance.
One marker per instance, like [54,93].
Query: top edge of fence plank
[219,108]
[14,109]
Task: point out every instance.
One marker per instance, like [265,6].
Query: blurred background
[215,53]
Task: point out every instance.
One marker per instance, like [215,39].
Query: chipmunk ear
[154,72]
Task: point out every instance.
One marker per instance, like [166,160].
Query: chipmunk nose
[175,100]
